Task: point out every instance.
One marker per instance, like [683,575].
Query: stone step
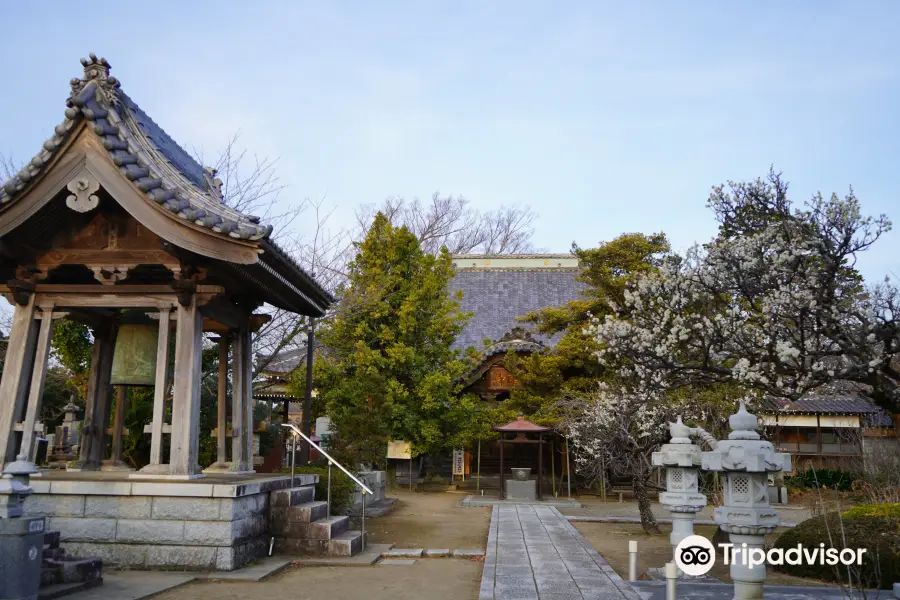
[301,546]
[51,539]
[345,544]
[59,590]
[326,529]
[308,512]
[292,497]
[73,570]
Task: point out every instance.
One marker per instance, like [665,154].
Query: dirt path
[436,579]
[431,520]
[611,541]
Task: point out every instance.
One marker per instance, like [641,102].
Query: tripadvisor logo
[695,555]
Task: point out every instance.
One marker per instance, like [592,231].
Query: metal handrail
[328,456]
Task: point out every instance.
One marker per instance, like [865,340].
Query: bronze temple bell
[134,358]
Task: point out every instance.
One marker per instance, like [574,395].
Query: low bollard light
[671,580]
[632,560]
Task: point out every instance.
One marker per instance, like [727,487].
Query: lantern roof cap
[743,424]
[520,425]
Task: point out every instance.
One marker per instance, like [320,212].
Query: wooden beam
[119,289]
[221,310]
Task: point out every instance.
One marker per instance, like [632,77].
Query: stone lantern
[682,497]
[746,462]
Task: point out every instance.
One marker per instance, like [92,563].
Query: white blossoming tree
[617,430]
[773,303]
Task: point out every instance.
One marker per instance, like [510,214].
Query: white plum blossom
[773,303]
[615,430]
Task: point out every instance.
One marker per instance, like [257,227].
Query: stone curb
[466,553]
[615,519]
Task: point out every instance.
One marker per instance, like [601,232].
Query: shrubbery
[887,511]
[874,527]
[833,479]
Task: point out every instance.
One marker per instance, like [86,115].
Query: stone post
[746,461]
[681,459]
[21,539]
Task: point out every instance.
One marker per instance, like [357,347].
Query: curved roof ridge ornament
[96,70]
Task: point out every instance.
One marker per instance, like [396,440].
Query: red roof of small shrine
[520,425]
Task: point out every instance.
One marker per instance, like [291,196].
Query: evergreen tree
[571,368]
[388,371]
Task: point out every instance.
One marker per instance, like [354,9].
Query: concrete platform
[495,501]
[110,483]
[255,571]
[217,523]
[133,585]
[378,508]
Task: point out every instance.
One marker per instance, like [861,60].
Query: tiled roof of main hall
[496,296]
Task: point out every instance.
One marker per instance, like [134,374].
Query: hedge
[872,527]
[887,511]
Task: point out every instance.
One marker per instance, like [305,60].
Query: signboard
[399,449]
[459,461]
[500,379]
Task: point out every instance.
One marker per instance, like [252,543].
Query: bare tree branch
[450,221]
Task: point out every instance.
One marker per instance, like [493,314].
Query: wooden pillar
[115,462]
[246,366]
[501,466]
[306,425]
[540,483]
[186,397]
[160,386]
[478,470]
[16,375]
[97,404]
[38,376]
[238,412]
[222,421]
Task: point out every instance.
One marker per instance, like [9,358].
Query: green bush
[886,511]
[880,535]
[342,487]
[834,479]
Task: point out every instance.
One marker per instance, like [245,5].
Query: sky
[603,117]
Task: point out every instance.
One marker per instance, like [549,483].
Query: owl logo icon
[695,555]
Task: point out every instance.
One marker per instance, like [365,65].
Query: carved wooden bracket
[185,283]
[83,198]
[20,290]
[110,275]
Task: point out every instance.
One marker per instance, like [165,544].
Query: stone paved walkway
[534,553]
